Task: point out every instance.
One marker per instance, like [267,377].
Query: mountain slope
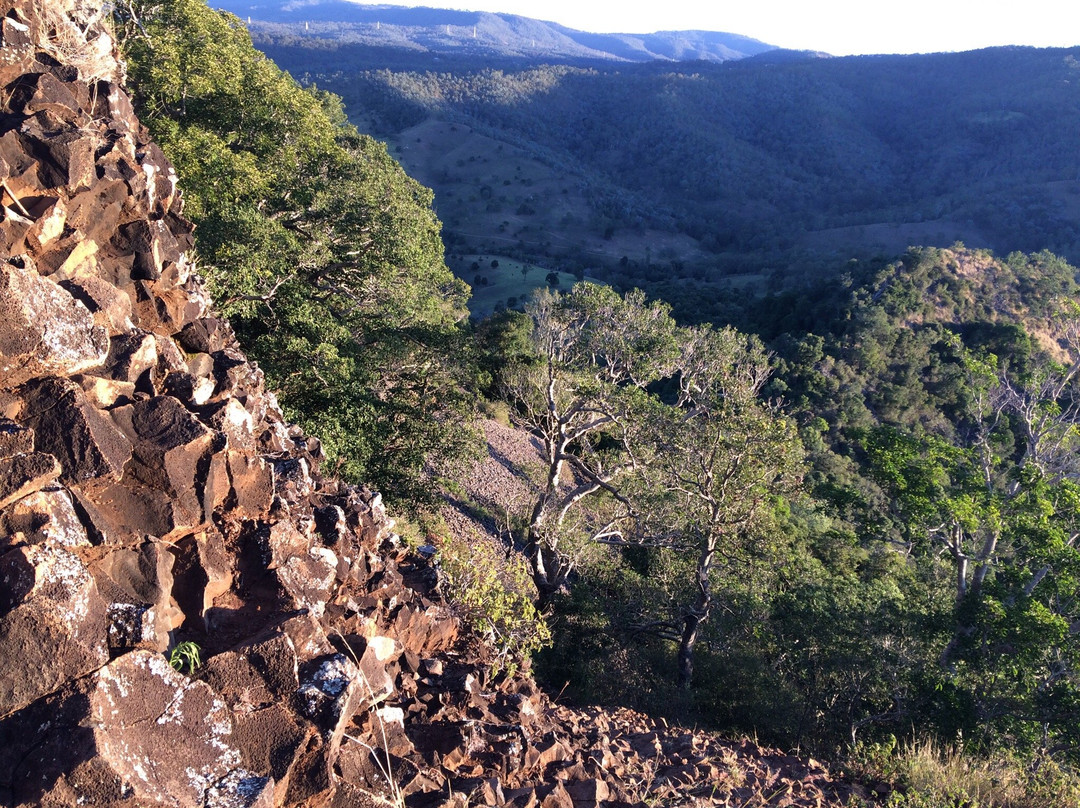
[446,32]
[152,492]
[780,170]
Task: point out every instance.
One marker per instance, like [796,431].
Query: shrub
[929,774]
[492,592]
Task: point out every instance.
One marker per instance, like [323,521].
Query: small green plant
[492,592]
[185,654]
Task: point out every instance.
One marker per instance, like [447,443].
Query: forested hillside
[843,516]
[770,171]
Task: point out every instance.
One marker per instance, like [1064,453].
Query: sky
[839,27]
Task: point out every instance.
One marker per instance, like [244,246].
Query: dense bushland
[859,526]
[770,168]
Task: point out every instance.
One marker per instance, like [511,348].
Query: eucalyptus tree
[721,459]
[584,396]
[1000,501]
[651,435]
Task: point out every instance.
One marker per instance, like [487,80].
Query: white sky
[839,27]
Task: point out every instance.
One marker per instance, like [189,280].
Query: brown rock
[137,583]
[207,335]
[167,736]
[331,525]
[127,512]
[202,572]
[14,439]
[521,797]
[135,729]
[85,441]
[48,227]
[330,694]
[110,306]
[255,674]
[234,421]
[284,540]
[188,388]
[43,329]
[589,792]
[309,578]
[44,517]
[103,394]
[378,656]
[52,623]
[241,789]
[557,798]
[541,755]
[270,741]
[425,631]
[131,355]
[253,484]
[26,474]
[292,479]
[388,732]
[169,443]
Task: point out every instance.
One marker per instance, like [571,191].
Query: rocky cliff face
[151,493]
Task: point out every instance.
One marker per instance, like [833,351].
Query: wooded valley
[809,484]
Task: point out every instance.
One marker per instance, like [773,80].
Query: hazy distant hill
[441,31]
[619,157]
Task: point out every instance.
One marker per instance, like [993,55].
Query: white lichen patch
[325,559]
[310,581]
[174,710]
[239,789]
[62,582]
[384,648]
[326,684]
[238,424]
[159,666]
[115,685]
[391,715]
[185,717]
[149,169]
[63,526]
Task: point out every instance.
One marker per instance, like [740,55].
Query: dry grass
[929,775]
[76,35]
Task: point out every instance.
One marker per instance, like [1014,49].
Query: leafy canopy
[323,252]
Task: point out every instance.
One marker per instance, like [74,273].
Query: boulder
[52,623]
[252,480]
[25,474]
[44,517]
[258,680]
[66,425]
[14,439]
[135,730]
[43,329]
[137,584]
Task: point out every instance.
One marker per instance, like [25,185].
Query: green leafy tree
[582,393]
[1002,504]
[721,460]
[324,254]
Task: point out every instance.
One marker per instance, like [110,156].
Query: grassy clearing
[509,283]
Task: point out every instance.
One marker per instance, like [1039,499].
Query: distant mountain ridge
[444,31]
